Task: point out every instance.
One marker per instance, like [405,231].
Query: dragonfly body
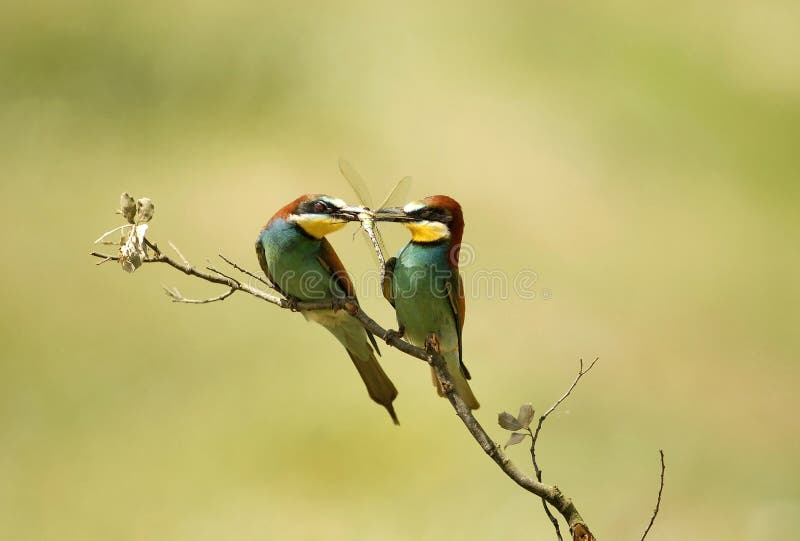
[374,236]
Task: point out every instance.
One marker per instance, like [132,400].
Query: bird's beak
[351,213]
[392,214]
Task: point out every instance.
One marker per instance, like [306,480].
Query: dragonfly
[371,232]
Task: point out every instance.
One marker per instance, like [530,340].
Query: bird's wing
[455,290]
[262,261]
[388,276]
[330,260]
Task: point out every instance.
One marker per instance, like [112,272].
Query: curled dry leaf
[526,413]
[515,438]
[133,251]
[508,421]
[144,210]
[127,207]
[132,247]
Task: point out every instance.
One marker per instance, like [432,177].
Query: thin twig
[175,249]
[245,271]
[543,417]
[107,233]
[658,501]
[176,296]
[213,269]
[553,519]
[152,245]
[535,436]
[538,472]
[581,373]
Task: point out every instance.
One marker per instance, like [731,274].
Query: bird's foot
[351,305]
[291,303]
[432,343]
[392,335]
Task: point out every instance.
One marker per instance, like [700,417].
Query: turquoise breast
[421,293]
[293,260]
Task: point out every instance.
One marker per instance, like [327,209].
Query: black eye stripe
[432,215]
[316,206]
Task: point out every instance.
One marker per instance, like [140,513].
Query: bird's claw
[432,343]
[392,335]
[291,303]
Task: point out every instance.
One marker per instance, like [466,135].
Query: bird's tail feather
[379,386]
[349,332]
[460,379]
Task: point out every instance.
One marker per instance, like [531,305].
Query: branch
[216,277]
[658,501]
[551,494]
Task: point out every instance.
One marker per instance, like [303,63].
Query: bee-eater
[300,262]
[424,285]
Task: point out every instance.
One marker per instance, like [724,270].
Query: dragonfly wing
[356,182]
[399,194]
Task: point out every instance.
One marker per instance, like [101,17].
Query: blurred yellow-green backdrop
[641,159]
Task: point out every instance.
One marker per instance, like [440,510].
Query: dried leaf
[127,207]
[144,210]
[515,438]
[132,252]
[508,421]
[526,413]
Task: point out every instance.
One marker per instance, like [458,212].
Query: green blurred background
[640,158]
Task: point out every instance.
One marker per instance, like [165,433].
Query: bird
[424,285]
[302,265]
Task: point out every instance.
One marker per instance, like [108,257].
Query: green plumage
[424,290]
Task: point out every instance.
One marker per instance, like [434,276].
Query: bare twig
[535,436]
[658,501]
[281,302]
[213,269]
[543,417]
[175,249]
[176,296]
[152,245]
[581,373]
[245,271]
[553,520]
[107,233]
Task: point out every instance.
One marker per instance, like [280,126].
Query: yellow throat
[318,225]
[425,231]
